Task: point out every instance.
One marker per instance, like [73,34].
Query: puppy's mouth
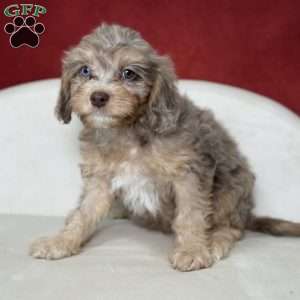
[97,119]
[101,120]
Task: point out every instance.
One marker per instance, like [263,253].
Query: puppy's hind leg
[79,225]
[223,240]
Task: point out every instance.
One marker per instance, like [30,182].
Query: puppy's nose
[99,99]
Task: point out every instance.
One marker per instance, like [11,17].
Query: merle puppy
[170,164]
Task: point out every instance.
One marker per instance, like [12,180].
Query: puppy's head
[112,78]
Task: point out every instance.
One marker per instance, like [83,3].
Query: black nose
[99,99]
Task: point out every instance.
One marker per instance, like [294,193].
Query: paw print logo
[24,32]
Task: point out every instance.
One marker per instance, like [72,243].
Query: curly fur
[171,164]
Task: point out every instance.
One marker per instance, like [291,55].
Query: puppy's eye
[129,75]
[85,71]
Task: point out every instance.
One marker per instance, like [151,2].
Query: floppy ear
[63,110]
[164,100]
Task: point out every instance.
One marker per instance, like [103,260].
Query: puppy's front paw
[52,248]
[190,259]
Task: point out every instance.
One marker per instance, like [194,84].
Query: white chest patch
[139,192]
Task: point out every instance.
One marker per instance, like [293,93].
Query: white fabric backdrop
[39,157]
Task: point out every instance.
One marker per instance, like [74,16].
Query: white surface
[127,262]
[39,175]
[39,157]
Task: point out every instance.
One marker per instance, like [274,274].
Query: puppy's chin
[102,121]
[98,120]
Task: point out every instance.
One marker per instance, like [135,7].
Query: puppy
[170,164]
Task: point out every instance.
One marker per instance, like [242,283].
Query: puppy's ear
[163,86]
[163,110]
[63,110]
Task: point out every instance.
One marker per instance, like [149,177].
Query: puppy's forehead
[119,56]
[126,55]
[93,50]
[117,44]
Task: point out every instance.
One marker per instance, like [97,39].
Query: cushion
[124,261]
[40,156]
[40,177]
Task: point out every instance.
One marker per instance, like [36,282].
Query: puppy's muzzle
[99,99]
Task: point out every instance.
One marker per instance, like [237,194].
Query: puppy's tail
[273,226]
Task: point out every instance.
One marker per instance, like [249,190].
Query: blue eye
[85,71]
